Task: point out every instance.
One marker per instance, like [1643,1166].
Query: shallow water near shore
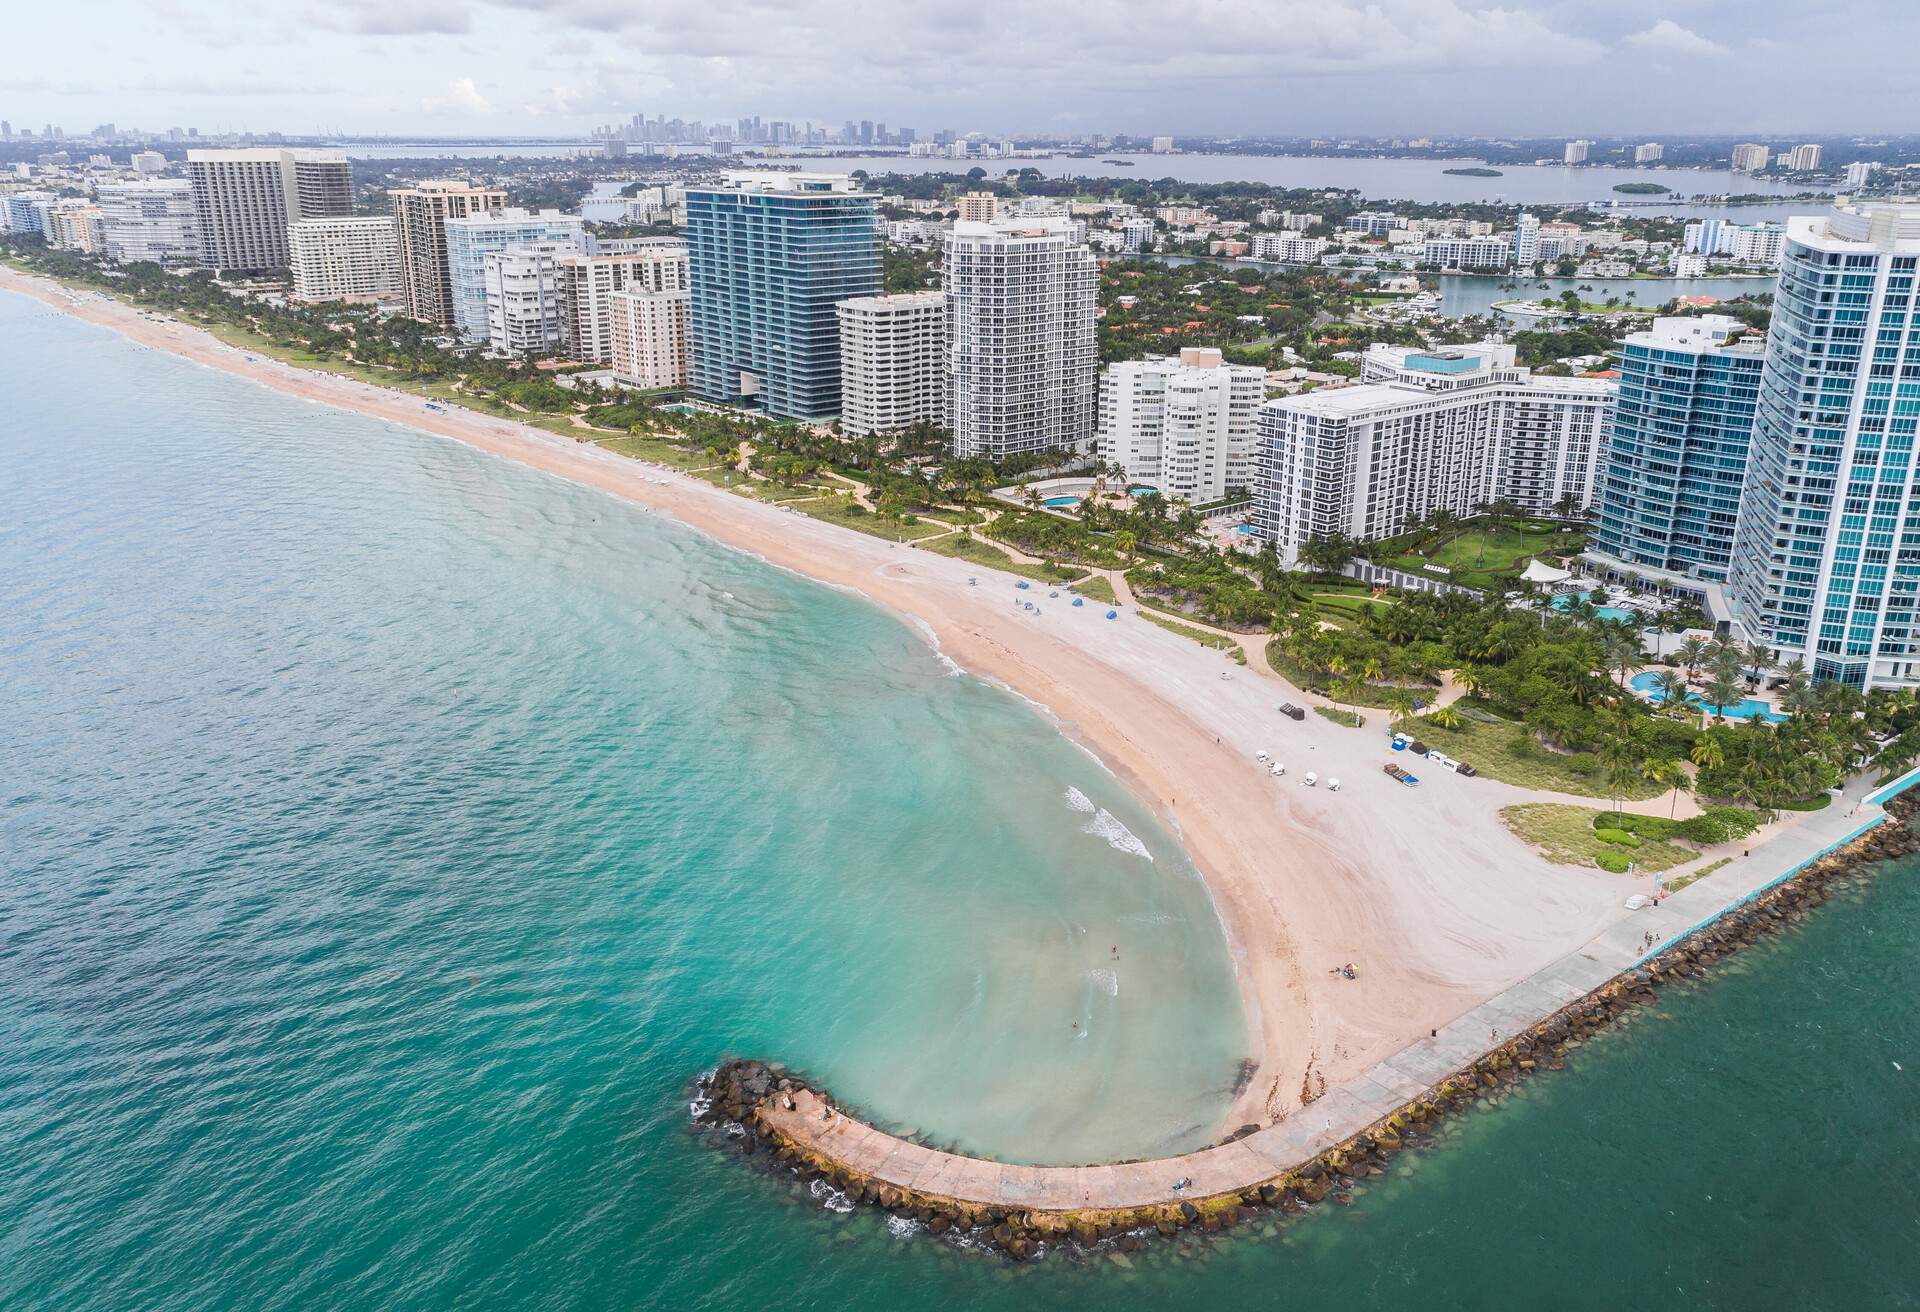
[390,833]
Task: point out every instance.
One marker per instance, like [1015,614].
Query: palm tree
[1666,772]
[1723,690]
[1760,657]
[1707,753]
[1469,678]
[1691,652]
[1447,717]
[1671,688]
[1616,755]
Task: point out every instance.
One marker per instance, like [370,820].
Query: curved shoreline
[1021,1210]
[1442,906]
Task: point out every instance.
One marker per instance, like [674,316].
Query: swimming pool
[1058,502]
[1604,612]
[1751,707]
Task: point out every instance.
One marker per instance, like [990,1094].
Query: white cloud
[1668,37]
[462,97]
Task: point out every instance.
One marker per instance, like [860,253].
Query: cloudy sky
[1541,67]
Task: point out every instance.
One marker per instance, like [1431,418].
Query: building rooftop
[793,183]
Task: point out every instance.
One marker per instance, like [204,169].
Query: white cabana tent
[1537,572]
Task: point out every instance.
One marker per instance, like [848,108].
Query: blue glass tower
[769,257]
[1826,560]
[1676,452]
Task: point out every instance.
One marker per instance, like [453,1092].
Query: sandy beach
[1439,906]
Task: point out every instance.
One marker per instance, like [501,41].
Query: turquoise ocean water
[390,833]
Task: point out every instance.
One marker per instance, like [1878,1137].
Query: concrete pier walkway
[1352,1107]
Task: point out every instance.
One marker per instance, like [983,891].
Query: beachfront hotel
[1182,424]
[588,284]
[1452,428]
[1675,458]
[1826,558]
[1021,359]
[244,200]
[472,238]
[153,220]
[893,362]
[356,258]
[420,215]
[770,255]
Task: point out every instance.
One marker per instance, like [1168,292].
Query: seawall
[1305,1159]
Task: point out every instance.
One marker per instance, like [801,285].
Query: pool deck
[1354,1106]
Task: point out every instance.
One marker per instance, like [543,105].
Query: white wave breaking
[1106,826]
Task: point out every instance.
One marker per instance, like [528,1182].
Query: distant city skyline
[1412,67]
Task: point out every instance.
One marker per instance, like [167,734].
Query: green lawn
[658,451]
[1480,557]
[1371,695]
[1508,752]
[847,513]
[1565,835]
[1096,587]
[974,551]
[1352,719]
[1348,603]
[1679,882]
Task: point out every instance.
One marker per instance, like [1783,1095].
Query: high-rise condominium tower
[1826,559]
[1020,335]
[770,256]
[893,362]
[420,217]
[1676,452]
[245,198]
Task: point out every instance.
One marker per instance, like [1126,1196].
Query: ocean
[391,834]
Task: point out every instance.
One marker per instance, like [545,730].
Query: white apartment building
[472,237]
[1467,252]
[1183,424]
[353,258]
[1447,429]
[1375,223]
[1576,152]
[1651,153]
[1526,240]
[154,220]
[1804,159]
[893,362]
[244,200]
[1860,173]
[148,163]
[1020,334]
[588,282]
[1287,247]
[1756,243]
[1137,233]
[1751,157]
[524,311]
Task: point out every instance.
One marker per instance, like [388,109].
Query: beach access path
[1439,904]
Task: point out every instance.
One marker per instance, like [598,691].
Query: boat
[1123,163]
